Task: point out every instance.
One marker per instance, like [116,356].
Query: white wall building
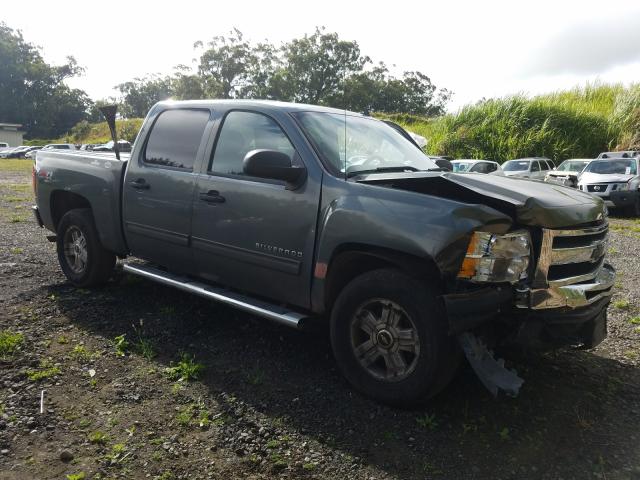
[11,134]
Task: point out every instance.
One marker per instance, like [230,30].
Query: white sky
[476,48]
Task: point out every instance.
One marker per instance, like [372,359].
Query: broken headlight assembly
[497,258]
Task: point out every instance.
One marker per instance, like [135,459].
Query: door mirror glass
[274,165]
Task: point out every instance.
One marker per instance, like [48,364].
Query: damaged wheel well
[354,260]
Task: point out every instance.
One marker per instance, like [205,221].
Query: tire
[82,257]
[400,305]
[634,210]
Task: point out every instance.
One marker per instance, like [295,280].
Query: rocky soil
[135,380]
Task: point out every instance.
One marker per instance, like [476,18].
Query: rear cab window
[175,138]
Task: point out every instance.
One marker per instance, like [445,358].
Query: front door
[158,189]
[248,233]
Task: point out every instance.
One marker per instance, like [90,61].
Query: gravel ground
[270,402]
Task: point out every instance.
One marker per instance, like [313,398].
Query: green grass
[98,438]
[121,345]
[46,370]
[16,165]
[622,304]
[185,369]
[9,343]
[577,123]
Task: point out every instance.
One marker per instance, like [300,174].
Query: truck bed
[96,177]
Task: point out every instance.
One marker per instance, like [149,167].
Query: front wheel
[634,210]
[389,337]
[82,257]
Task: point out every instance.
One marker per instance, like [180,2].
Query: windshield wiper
[403,168]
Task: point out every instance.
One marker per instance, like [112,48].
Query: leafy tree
[316,65]
[140,94]
[33,92]
[225,63]
[319,68]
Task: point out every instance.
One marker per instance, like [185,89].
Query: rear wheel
[82,257]
[389,336]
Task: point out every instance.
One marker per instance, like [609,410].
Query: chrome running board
[263,309]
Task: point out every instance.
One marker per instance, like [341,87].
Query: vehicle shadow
[577,414]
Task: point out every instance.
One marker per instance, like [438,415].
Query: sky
[477,48]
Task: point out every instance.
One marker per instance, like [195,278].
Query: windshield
[370,144]
[516,166]
[461,166]
[622,167]
[573,165]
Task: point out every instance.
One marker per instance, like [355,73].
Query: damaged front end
[544,284]
[561,301]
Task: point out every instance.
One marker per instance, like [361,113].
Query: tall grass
[577,123]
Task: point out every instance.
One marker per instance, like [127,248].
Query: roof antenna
[109,112]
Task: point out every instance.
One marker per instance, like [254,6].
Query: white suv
[614,180]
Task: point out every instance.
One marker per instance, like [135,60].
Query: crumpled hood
[528,202]
[590,178]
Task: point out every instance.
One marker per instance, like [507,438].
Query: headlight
[497,258]
[621,186]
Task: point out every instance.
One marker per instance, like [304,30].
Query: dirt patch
[269,402]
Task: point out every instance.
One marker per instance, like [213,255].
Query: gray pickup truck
[299,213]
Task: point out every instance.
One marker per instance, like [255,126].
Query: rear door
[254,234]
[158,188]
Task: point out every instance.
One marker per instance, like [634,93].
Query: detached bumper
[572,296]
[570,315]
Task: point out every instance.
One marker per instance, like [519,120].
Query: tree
[226,63]
[140,94]
[315,66]
[33,92]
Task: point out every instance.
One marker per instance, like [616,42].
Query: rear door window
[535,166]
[175,138]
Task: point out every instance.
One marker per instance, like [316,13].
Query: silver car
[568,172]
[534,168]
[464,165]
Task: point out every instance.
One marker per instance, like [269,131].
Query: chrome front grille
[570,256]
[571,270]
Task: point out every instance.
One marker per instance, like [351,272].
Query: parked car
[532,168]
[4,145]
[568,172]
[267,207]
[615,181]
[89,146]
[477,166]
[621,154]
[32,153]
[123,146]
[8,152]
[59,146]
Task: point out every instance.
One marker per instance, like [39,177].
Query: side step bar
[272,312]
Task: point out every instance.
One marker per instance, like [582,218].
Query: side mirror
[274,165]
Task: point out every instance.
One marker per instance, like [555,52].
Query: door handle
[140,184]
[212,196]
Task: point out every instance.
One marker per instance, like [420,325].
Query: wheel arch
[62,201]
[351,260]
